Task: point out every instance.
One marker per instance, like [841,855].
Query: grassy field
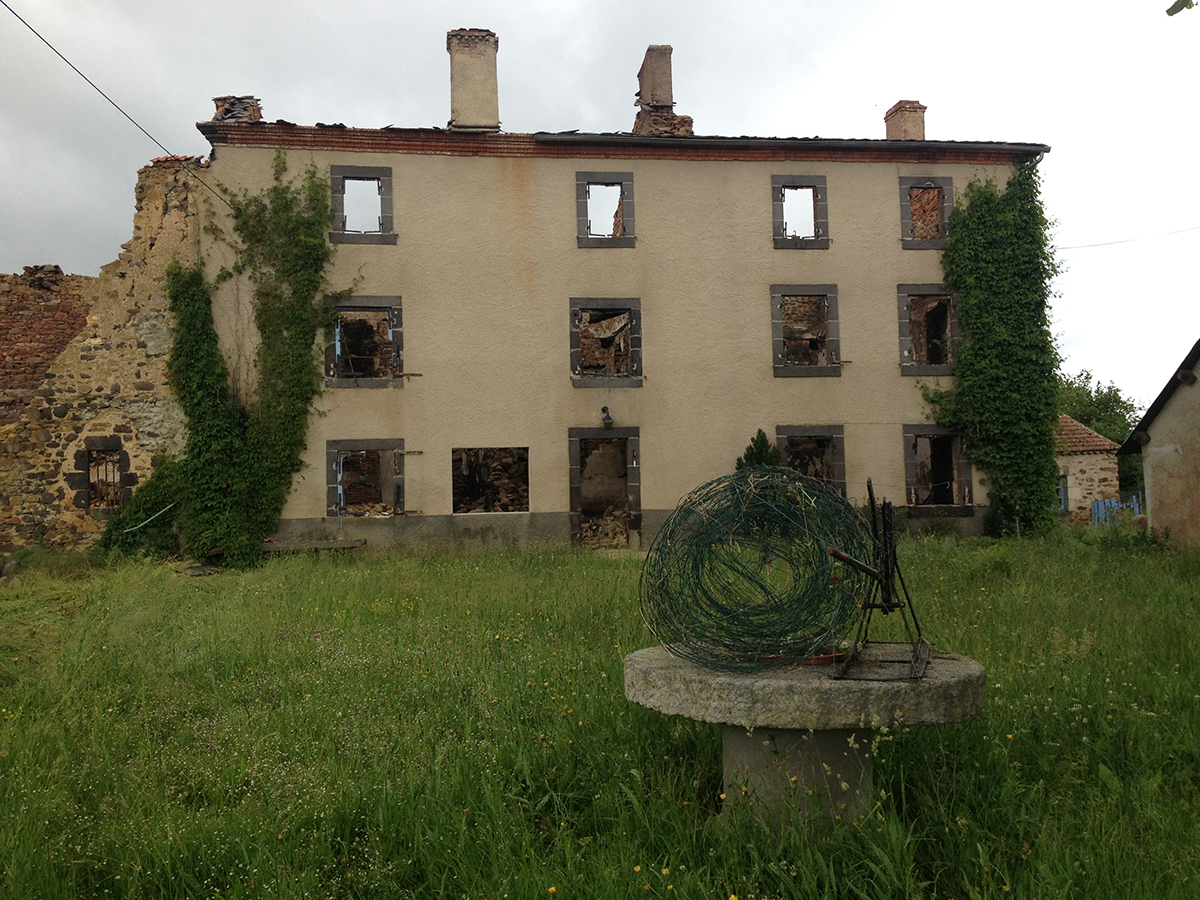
[454,724]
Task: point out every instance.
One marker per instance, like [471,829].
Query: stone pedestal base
[801,723]
[822,771]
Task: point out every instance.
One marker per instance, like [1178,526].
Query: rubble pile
[491,479]
[610,529]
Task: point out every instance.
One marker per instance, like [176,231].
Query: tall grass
[440,723]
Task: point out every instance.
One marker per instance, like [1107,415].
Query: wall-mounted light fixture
[607,419]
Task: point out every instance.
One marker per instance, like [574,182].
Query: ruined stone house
[558,335]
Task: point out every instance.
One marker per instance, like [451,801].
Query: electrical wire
[1114,243]
[114,104]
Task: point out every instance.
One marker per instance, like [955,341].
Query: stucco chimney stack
[905,121]
[655,97]
[654,77]
[474,98]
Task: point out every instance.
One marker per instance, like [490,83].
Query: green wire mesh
[739,578]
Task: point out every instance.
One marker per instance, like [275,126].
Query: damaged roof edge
[437,140]
[574,137]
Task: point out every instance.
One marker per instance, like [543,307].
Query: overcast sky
[1108,85]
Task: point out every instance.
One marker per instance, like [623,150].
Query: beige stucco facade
[488,255]
[1168,438]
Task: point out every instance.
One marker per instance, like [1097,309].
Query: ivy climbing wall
[96,398]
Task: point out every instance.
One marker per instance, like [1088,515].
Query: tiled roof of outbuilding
[1075,437]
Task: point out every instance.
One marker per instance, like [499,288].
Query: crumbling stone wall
[106,391]
[41,311]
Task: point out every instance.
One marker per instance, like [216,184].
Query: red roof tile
[1075,437]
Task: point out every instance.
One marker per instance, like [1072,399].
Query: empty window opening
[365,344]
[805,331]
[605,210]
[929,330]
[368,482]
[799,212]
[604,492]
[604,342]
[362,211]
[104,478]
[926,212]
[934,483]
[490,479]
[814,457]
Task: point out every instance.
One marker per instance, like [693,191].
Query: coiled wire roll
[739,577]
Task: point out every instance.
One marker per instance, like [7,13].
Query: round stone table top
[806,697]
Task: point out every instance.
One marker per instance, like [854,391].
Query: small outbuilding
[1087,469]
[1168,438]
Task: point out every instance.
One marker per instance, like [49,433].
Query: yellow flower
[666,871]
[637,868]
[553,889]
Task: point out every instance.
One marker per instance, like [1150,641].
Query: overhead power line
[1113,243]
[112,102]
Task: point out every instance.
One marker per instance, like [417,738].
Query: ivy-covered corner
[999,261]
[226,493]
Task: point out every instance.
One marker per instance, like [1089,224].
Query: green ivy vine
[226,493]
[999,261]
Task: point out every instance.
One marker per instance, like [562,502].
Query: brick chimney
[237,109]
[474,99]
[905,121]
[655,100]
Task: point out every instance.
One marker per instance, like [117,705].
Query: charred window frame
[818,451]
[925,207]
[806,340]
[490,479]
[606,342]
[364,347]
[382,176]
[577,438]
[937,477]
[781,185]
[930,333]
[592,234]
[101,481]
[364,478]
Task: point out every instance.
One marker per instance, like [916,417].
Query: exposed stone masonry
[101,345]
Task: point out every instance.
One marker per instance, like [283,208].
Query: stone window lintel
[820,241]
[337,186]
[782,369]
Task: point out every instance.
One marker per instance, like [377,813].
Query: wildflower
[637,868]
[666,871]
[553,889]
